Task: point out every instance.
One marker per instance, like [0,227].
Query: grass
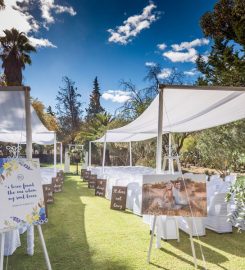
[83,233]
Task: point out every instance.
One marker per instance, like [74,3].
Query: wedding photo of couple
[177,197]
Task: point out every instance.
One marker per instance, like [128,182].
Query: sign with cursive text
[100,188]
[92,181]
[21,193]
[119,198]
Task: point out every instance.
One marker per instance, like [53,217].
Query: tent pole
[104,151]
[170,161]
[55,154]
[89,154]
[28,124]
[130,154]
[29,156]
[2,240]
[159,133]
[61,155]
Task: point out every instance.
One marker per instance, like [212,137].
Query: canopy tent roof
[13,118]
[185,109]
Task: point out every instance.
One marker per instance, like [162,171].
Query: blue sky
[73,39]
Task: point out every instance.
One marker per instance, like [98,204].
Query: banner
[173,195]
[21,194]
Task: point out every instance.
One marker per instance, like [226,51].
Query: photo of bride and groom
[175,197]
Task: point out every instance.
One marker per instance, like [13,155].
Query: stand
[40,232]
[2,239]
[151,240]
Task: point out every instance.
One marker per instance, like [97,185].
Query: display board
[174,195]
[92,181]
[57,184]
[86,175]
[21,193]
[119,198]
[100,188]
[48,193]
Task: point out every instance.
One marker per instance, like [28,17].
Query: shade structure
[13,119]
[185,109]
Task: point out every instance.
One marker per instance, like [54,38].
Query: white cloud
[165,73]
[162,46]
[188,45]
[191,72]
[189,56]
[133,25]
[17,14]
[185,51]
[41,42]
[47,7]
[150,64]
[117,96]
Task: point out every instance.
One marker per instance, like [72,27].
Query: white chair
[192,225]
[217,215]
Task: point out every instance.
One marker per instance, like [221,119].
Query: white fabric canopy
[13,122]
[185,109]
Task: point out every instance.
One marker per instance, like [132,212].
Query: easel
[28,123]
[2,241]
[172,155]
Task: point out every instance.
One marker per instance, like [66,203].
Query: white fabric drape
[184,110]
[12,119]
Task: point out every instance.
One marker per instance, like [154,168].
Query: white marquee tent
[182,109]
[13,119]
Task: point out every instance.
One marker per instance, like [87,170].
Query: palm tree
[16,48]
[2,5]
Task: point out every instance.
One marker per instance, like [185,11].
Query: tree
[225,25]
[15,54]
[49,121]
[226,21]
[69,110]
[50,111]
[2,80]
[94,129]
[94,103]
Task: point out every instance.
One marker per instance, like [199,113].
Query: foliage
[237,195]
[94,103]
[225,66]
[15,54]
[47,119]
[226,21]
[69,111]
[226,62]
[2,80]
[141,98]
[221,147]
[77,154]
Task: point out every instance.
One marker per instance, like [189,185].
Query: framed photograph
[174,195]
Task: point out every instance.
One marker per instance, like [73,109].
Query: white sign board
[21,194]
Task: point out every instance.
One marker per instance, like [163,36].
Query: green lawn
[83,233]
